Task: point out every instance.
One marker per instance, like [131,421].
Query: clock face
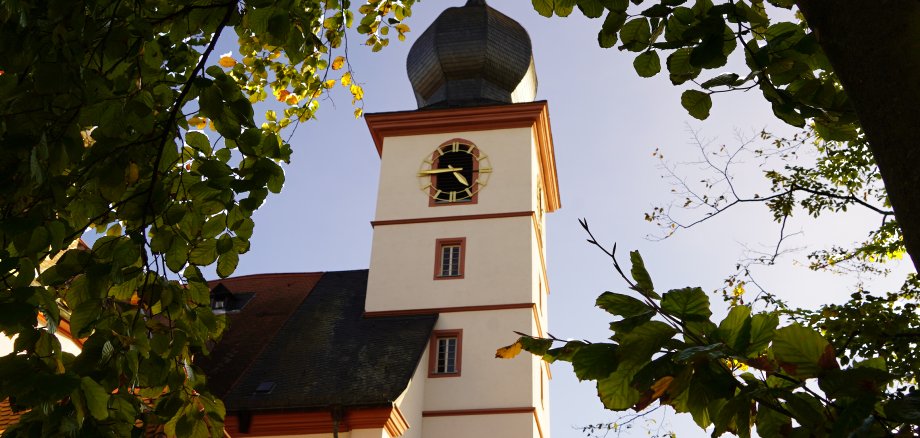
[454,173]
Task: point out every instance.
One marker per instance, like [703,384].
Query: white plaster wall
[411,402]
[499,265]
[518,425]
[484,382]
[512,155]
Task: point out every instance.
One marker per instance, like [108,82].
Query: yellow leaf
[132,173]
[271,116]
[402,28]
[226,61]
[292,99]
[329,84]
[358,113]
[282,95]
[661,386]
[346,79]
[211,125]
[274,55]
[509,351]
[198,122]
[338,63]
[135,299]
[357,92]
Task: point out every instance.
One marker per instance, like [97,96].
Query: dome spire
[470,56]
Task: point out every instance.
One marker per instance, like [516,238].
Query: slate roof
[324,353]
[277,298]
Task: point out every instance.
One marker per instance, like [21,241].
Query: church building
[406,348]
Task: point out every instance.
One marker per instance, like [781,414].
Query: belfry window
[444,360]
[449,258]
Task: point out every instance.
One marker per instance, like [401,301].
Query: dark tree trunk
[874,47]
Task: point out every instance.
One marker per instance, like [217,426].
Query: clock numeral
[485,170]
[428,162]
[455,147]
[452,197]
[437,194]
[441,152]
[481,157]
[469,193]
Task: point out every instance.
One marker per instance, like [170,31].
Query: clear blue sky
[606,123]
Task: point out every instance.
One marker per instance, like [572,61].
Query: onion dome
[471,56]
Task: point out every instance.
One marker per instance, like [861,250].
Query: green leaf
[763,328]
[802,352]
[622,305]
[536,346]
[647,64]
[616,391]
[735,329]
[204,253]
[772,424]
[640,275]
[564,8]
[688,304]
[635,34]
[833,131]
[97,399]
[198,141]
[696,103]
[722,80]
[863,382]
[177,256]
[657,10]
[607,37]
[679,66]
[564,353]
[595,361]
[709,52]
[591,8]
[543,7]
[226,264]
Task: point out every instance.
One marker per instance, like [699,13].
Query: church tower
[459,231]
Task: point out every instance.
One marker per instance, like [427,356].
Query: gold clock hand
[436,171]
[461,179]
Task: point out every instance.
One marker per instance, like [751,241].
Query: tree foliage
[816,69]
[746,372]
[118,117]
[843,78]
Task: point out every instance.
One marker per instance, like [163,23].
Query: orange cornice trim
[433,310]
[397,424]
[422,220]
[488,411]
[534,115]
[317,422]
[536,420]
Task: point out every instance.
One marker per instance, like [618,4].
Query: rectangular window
[449,258]
[444,353]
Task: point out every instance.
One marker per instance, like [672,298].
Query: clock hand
[461,179]
[436,171]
